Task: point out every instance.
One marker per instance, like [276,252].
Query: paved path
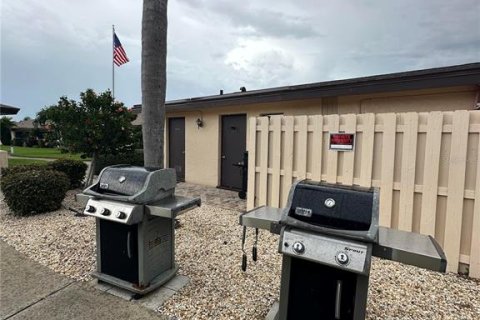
[29,290]
[28,158]
[212,196]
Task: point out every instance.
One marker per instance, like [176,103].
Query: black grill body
[328,234]
[326,223]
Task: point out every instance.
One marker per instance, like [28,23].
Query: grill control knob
[298,248]
[105,212]
[342,258]
[90,209]
[121,215]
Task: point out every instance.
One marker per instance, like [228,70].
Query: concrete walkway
[212,196]
[29,290]
[28,158]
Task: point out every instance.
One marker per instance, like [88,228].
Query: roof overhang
[8,110]
[460,75]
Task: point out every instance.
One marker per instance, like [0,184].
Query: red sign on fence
[342,141]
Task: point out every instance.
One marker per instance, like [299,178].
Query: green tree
[154,56]
[96,125]
[6,124]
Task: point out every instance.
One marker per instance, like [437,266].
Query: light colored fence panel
[425,164]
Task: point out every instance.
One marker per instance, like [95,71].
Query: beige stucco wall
[202,145]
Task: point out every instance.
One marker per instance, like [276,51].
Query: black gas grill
[135,210]
[328,234]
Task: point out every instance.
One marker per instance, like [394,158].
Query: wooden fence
[425,164]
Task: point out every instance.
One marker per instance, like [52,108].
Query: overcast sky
[61,47]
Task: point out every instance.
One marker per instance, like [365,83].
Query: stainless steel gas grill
[135,209]
[328,234]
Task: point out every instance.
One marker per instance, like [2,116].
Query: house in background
[28,133]
[206,136]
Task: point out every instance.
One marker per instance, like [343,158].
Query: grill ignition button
[342,258]
[298,247]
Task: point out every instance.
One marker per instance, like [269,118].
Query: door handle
[129,253]
[223,157]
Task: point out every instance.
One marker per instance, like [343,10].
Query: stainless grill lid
[133,184]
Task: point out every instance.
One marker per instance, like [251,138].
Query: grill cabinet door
[313,292]
[119,250]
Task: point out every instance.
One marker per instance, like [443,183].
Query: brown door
[233,146]
[176,146]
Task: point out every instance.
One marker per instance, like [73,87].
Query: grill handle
[254,249]
[129,252]
[338,298]
[244,255]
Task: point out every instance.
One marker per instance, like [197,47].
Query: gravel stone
[209,253]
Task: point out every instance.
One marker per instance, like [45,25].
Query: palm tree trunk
[154,60]
[91,171]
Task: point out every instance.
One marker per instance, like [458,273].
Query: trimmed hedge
[23,168]
[134,158]
[74,169]
[35,191]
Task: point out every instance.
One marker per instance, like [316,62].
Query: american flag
[119,55]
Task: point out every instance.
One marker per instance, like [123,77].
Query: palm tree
[154,60]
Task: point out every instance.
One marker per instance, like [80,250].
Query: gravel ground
[209,254]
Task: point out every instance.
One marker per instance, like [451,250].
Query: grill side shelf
[266,218]
[172,206]
[410,248]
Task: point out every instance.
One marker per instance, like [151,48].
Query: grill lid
[133,184]
[348,211]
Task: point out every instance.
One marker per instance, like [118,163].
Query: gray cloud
[59,47]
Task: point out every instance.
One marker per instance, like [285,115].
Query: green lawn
[51,153]
[21,162]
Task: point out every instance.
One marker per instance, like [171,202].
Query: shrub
[74,169]
[134,158]
[34,191]
[22,168]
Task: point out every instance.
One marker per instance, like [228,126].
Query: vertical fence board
[276,157]
[280,159]
[252,148]
[288,162]
[366,163]
[456,185]
[475,242]
[430,174]
[262,194]
[407,184]
[302,148]
[317,148]
[388,161]
[332,159]
[349,156]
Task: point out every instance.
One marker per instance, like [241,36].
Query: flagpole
[113,62]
